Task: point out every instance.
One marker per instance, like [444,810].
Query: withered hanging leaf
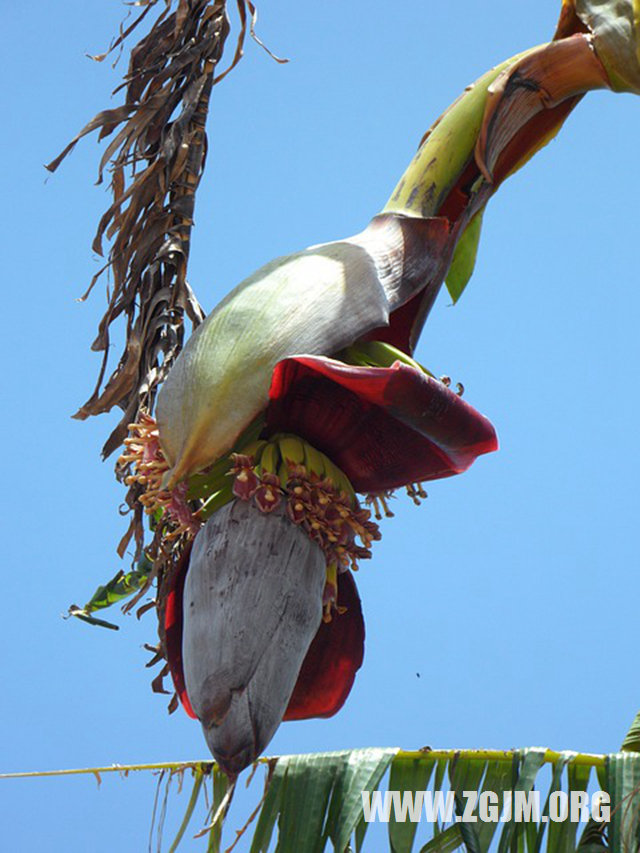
[243,5]
[155,158]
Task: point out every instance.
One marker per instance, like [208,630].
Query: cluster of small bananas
[319,497]
[146,465]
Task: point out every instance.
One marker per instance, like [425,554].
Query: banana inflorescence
[260,468]
[289,457]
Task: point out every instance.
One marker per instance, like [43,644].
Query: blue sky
[511,591]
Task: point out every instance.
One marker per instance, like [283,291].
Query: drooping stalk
[491,131]
[445,150]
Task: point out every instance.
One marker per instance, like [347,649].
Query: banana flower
[301,389]
[384,427]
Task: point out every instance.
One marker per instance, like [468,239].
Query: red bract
[383,426]
[334,657]
[173,629]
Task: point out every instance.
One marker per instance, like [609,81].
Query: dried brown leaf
[156,156]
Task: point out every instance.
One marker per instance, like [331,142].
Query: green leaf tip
[631,742]
[464,258]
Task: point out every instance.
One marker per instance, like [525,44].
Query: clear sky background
[501,613]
